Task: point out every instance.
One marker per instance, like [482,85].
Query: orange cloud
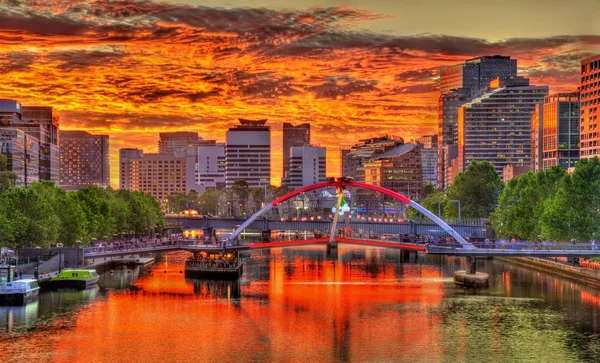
[132,69]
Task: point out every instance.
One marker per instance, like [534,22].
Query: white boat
[19,292]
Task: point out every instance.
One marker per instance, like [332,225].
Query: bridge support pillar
[265,235]
[332,252]
[470,277]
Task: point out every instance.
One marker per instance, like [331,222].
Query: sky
[352,69]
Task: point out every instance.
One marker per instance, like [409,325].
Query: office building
[537,124]
[43,123]
[476,74]
[307,166]
[590,103]
[429,158]
[496,127]
[399,169]
[83,160]
[365,150]
[510,171]
[125,155]
[293,136]
[163,174]
[555,140]
[451,168]
[211,165]
[460,84]
[179,141]
[248,153]
[22,154]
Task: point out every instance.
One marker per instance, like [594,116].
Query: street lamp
[439,203]
[457,201]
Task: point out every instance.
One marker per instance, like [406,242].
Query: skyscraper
[537,131]
[496,127]
[43,123]
[365,150]
[179,141]
[38,122]
[400,169]
[307,166]
[429,158]
[125,155]
[248,153]
[22,154]
[211,165]
[560,135]
[460,84]
[293,136]
[83,160]
[590,102]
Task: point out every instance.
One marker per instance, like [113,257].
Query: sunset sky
[353,69]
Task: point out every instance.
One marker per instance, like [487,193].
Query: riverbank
[587,277]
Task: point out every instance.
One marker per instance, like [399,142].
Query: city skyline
[134,69]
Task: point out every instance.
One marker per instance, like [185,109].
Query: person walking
[593,244]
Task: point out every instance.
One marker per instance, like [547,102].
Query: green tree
[477,188]
[522,203]
[431,203]
[574,211]
[8,179]
[98,205]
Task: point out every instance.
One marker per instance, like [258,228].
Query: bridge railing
[137,246]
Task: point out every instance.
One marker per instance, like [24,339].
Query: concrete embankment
[584,276]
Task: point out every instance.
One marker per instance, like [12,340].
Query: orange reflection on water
[308,310]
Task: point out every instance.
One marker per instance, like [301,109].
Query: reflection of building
[83,159]
[555,132]
[459,84]
[307,166]
[125,155]
[497,126]
[293,136]
[365,150]
[429,157]
[161,174]
[22,154]
[211,165]
[399,169]
[590,103]
[248,153]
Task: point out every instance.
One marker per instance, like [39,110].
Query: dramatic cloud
[132,69]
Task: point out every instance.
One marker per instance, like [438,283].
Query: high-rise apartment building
[365,150]
[496,127]
[83,159]
[590,103]
[248,153]
[43,123]
[22,154]
[163,174]
[399,169]
[125,155]
[460,84]
[307,166]
[293,136]
[211,165]
[555,132]
[448,105]
[429,158]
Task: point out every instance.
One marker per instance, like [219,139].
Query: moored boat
[19,292]
[74,279]
[214,266]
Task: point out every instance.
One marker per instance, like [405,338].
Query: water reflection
[303,304]
[26,315]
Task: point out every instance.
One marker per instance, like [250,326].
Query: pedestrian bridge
[193,245]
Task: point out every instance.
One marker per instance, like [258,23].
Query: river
[299,305]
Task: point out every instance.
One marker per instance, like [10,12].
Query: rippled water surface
[299,305]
